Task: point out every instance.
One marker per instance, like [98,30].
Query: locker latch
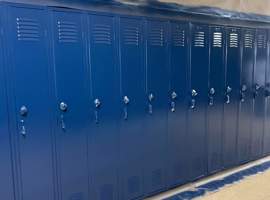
[150,106]
[63,107]
[257,87]
[211,96]
[126,102]
[193,101]
[23,113]
[242,93]
[228,91]
[173,104]
[97,104]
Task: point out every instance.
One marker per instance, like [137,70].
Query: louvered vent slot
[261,41]
[248,40]
[156,36]
[131,36]
[217,39]
[28,29]
[199,39]
[179,37]
[102,34]
[234,40]
[67,32]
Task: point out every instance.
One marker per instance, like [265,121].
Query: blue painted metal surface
[72,117]
[132,49]
[259,94]
[28,77]
[104,140]
[215,98]
[231,98]
[155,178]
[105,105]
[179,60]
[198,100]
[246,96]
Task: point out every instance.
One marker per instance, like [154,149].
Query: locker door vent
[106,192]
[248,40]
[234,40]
[67,32]
[102,34]
[217,39]
[178,36]
[131,36]
[261,41]
[156,37]
[133,185]
[27,29]
[199,39]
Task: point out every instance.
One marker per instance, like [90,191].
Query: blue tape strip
[217,184]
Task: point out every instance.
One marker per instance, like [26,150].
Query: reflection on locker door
[29,73]
[72,105]
[133,110]
[104,138]
[198,101]
[6,180]
[246,96]
[215,98]
[178,165]
[157,107]
[231,99]
[266,138]
[259,94]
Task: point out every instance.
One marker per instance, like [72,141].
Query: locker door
[28,72]
[157,107]
[72,105]
[231,92]
[133,111]
[215,99]
[266,138]
[103,149]
[259,94]
[246,96]
[6,180]
[198,100]
[178,165]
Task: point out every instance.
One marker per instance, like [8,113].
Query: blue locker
[266,137]
[246,96]
[104,135]
[132,107]
[231,96]
[157,106]
[259,94]
[177,132]
[6,180]
[29,82]
[198,100]
[215,98]
[72,106]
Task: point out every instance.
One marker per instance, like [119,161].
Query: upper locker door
[246,95]
[179,60]
[266,138]
[259,94]
[72,105]
[157,106]
[231,92]
[133,111]
[198,100]
[215,98]
[28,75]
[6,180]
[104,139]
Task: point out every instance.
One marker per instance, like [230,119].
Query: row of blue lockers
[99,106]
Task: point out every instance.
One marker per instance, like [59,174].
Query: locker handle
[22,128]
[150,106]
[126,102]
[256,90]
[173,104]
[242,93]
[97,104]
[211,96]
[228,91]
[193,101]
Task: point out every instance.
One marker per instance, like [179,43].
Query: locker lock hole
[23,111]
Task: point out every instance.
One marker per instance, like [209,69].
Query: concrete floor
[256,187]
